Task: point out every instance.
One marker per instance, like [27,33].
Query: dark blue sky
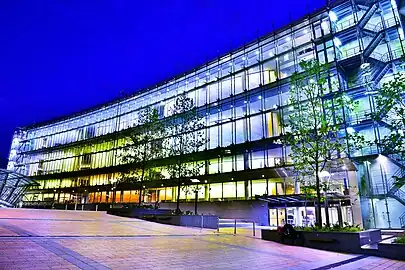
[58,57]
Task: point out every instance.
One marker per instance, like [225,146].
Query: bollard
[65,206]
[75,206]
[96,207]
[234,230]
[217,224]
[82,207]
[202,222]
[254,229]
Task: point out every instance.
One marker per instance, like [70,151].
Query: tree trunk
[178,197]
[178,192]
[141,187]
[318,206]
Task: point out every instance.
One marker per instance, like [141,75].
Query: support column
[206,192]
[354,198]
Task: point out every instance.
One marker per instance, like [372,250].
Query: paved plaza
[52,239]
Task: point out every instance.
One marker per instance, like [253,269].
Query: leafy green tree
[390,108]
[144,143]
[312,127]
[186,127]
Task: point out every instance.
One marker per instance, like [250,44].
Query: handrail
[400,194]
[402,220]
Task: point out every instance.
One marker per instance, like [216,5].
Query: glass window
[284,43]
[272,124]
[240,164]
[240,131]
[318,30]
[240,108]
[213,92]
[213,116]
[305,53]
[284,94]
[201,96]
[256,127]
[330,54]
[240,190]
[254,77]
[213,137]
[269,50]
[270,71]
[302,36]
[273,157]
[227,112]
[253,57]
[216,191]
[226,87]
[227,164]
[255,103]
[227,134]
[213,166]
[259,187]
[239,63]
[229,190]
[239,83]
[287,65]
[270,99]
[257,160]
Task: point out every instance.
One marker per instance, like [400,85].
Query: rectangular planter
[209,222]
[137,212]
[350,242]
[392,251]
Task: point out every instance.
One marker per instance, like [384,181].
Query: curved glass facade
[243,97]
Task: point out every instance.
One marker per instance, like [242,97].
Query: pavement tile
[95,240]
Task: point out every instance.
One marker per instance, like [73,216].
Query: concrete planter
[391,251]
[335,241]
[350,242]
[137,212]
[209,222]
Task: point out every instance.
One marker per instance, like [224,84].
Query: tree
[186,127]
[144,143]
[192,189]
[312,128]
[390,108]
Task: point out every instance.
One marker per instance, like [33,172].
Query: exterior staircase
[380,66]
[390,189]
[377,37]
[371,10]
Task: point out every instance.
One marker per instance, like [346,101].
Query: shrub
[334,228]
[400,240]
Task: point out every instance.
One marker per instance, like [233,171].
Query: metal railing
[234,224]
[400,195]
[348,53]
[402,220]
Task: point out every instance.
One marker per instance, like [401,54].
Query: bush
[400,240]
[334,228]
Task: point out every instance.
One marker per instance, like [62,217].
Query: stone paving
[52,239]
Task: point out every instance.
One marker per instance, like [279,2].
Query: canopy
[12,187]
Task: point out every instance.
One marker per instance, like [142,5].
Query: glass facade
[244,98]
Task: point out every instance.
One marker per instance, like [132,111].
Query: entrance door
[277,216]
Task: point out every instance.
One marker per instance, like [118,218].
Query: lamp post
[114,187]
[325,177]
[196,194]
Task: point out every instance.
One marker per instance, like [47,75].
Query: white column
[354,197]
